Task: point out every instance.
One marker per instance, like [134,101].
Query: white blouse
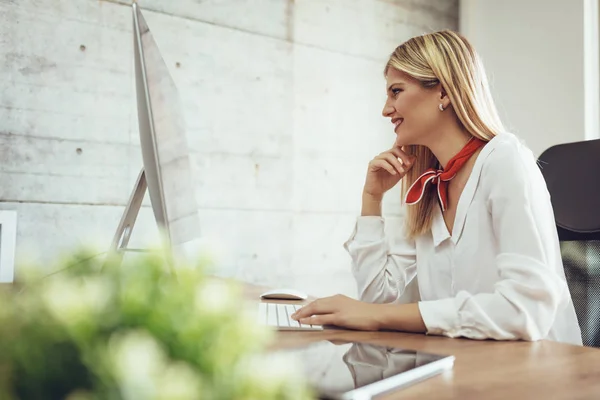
[499,275]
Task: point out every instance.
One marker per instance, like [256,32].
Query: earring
[441,107]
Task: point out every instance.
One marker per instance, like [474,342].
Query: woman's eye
[396,91]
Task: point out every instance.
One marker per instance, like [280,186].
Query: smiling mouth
[397,122]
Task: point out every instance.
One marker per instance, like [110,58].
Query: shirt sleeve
[531,288]
[382,269]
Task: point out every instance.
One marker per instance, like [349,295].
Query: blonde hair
[448,58]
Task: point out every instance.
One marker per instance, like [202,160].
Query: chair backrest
[572,174]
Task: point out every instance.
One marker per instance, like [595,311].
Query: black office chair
[572,173]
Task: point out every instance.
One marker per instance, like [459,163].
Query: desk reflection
[370,363]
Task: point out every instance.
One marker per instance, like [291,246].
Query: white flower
[61,299]
[96,293]
[139,361]
[178,382]
[72,300]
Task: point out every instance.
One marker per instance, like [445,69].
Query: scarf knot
[441,177]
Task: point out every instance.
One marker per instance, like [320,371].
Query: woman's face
[413,109]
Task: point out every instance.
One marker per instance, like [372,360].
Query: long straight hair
[448,58]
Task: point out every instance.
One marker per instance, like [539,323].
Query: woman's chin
[402,140]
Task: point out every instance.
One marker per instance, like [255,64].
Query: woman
[479,228]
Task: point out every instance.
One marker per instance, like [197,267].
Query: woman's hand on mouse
[341,311]
[386,170]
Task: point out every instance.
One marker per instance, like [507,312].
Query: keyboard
[279,316]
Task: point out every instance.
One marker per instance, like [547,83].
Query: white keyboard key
[272,314]
[282,317]
[279,315]
[262,313]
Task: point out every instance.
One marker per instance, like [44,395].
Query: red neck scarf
[442,177]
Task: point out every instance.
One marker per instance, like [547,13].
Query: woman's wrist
[400,317]
[371,205]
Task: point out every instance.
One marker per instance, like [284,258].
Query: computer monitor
[166,172]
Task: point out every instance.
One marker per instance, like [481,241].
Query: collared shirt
[499,275]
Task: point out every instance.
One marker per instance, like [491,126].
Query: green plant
[135,331]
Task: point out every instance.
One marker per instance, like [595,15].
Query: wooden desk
[483,369]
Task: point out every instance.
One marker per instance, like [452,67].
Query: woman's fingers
[407,159]
[380,163]
[323,305]
[327,319]
[308,310]
[393,160]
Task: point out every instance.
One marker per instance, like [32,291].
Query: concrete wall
[282,102]
[536,58]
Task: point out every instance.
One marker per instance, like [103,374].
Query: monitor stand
[122,235]
[132,209]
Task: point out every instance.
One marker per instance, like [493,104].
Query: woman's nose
[387,110]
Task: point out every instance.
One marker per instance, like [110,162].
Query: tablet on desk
[361,370]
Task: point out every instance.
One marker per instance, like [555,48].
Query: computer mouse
[284,294]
